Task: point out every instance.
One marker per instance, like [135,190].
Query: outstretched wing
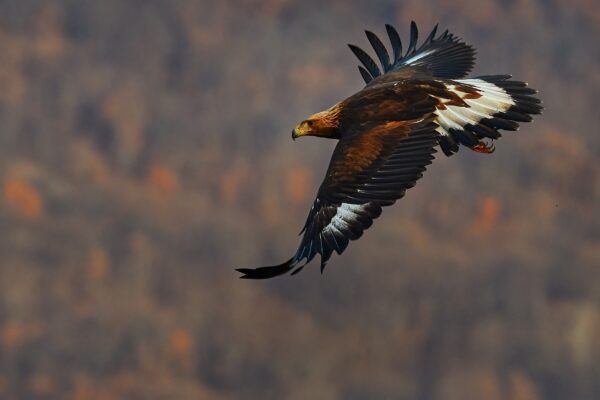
[366,172]
[372,166]
[445,56]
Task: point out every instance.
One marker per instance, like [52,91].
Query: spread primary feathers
[387,134]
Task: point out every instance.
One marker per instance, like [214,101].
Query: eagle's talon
[484,148]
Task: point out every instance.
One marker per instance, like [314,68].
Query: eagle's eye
[309,123]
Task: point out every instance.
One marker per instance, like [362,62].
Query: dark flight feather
[431,36]
[414,36]
[365,74]
[366,60]
[395,41]
[380,50]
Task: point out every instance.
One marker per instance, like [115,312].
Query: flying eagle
[387,134]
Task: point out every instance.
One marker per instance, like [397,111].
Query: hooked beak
[295,134]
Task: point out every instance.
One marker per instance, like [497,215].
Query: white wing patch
[345,215]
[494,100]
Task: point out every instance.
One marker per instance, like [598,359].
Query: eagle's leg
[483,147]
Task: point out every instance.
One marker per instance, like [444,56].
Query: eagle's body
[388,131]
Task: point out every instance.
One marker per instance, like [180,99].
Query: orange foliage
[181,345]
[12,335]
[49,41]
[15,334]
[180,342]
[298,185]
[42,385]
[23,197]
[522,388]
[98,265]
[231,182]
[163,180]
[487,217]
[82,391]
[488,385]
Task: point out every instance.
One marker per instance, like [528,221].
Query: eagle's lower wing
[369,169]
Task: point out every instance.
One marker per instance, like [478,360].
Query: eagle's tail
[268,272]
[487,104]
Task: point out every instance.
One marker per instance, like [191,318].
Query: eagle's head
[305,128]
[323,124]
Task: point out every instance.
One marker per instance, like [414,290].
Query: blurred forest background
[145,152]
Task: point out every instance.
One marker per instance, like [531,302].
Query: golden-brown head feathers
[322,124]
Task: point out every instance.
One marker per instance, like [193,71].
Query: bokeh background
[145,152]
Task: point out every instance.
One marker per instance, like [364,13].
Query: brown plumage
[388,131]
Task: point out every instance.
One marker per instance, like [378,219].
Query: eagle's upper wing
[372,166]
[445,56]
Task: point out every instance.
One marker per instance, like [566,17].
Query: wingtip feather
[414,37]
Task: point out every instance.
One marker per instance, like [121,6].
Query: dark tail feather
[268,272]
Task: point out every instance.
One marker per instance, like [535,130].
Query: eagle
[388,133]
